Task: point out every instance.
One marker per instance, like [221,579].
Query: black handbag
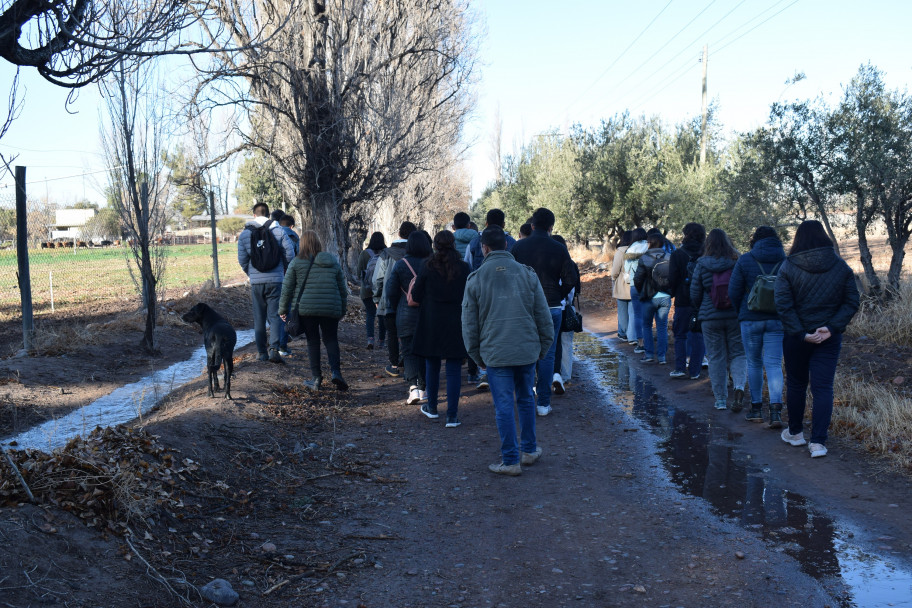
[293,326]
[571,318]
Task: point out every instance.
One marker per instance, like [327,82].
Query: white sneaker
[795,439]
[705,362]
[542,410]
[414,397]
[817,450]
[422,395]
[557,386]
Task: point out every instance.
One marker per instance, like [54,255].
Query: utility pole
[705,108]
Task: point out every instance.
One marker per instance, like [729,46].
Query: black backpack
[661,274]
[265,251]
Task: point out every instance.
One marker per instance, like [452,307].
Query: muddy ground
[355,499]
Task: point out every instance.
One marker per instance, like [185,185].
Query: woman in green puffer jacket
[315,281]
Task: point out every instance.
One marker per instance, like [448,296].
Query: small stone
[219,591]
[898,380]
[268,548]
[557,571]
[739,554]
[247,583]
[640,589]
[412,572]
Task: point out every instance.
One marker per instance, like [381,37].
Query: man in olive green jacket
[506,326]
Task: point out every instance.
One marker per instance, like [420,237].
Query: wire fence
[78,261]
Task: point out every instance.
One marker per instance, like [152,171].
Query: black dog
[219,338]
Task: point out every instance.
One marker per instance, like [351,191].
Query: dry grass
[591,255]
[886,323]
[875,415]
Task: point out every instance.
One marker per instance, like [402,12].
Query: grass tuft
[878,417]
[889,322]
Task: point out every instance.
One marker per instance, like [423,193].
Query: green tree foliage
[231,225]
[105,224]
[257,182]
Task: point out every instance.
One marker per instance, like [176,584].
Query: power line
[687,67]
[618,58]
[687,48]
[56,179]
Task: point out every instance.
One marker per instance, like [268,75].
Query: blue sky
[548,65]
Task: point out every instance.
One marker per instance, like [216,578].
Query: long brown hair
[310,245]
[445,259]
[718,245]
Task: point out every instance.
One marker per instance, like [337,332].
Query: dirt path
[356,499]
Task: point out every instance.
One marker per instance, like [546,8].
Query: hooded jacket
[701,288]
[680,282]
[388,257]
[463,237]
[767,253]
[632,258]
[816,288]
[620,288]
[324,291]
[505,317]
[276,274]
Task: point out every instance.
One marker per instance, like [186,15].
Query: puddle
[119,406]
[704,460]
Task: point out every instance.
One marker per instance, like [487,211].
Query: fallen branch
[19,475]
[158,575]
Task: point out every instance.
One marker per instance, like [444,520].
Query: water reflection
[703,460]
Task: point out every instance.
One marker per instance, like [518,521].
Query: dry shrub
[877,416]
[594,255]
[888,322]
[57,339]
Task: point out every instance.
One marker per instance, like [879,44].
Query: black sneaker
[262,357]
[314,383]
[339,382]
[392,370]
[275,357]
[452,422]
[432,414]
[738,402]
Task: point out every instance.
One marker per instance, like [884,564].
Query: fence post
[25,281]
[215,273]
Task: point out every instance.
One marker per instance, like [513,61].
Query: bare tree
[496,150]
[133,143]
[358,96]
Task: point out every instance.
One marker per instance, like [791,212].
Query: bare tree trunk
[868,264]
[824,218]
[896,262]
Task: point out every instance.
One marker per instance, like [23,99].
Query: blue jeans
[815,364]
[687,343]
[637,315]
[763,347]
[370,311]
[725,349]
[453,383]
[511,385]
[658,309]
[623,318]
[264,298]
[546,365]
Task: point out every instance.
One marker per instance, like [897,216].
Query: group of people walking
[484,298]
[749,312]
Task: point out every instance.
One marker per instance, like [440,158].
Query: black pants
[414,365]
[392,339]
[329,328]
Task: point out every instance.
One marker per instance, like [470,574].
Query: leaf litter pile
[256,516]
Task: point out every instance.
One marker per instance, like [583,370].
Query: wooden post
[705,107]
[25,280]
[215,273]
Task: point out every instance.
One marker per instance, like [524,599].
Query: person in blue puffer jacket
[462,233]
[761,332]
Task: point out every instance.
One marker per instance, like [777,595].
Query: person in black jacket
[438,334]
[557,274]
[761,332]
[417,250]
[686,343]
[816,298]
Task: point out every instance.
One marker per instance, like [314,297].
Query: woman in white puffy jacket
[631,260]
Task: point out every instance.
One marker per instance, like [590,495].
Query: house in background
[69,223]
